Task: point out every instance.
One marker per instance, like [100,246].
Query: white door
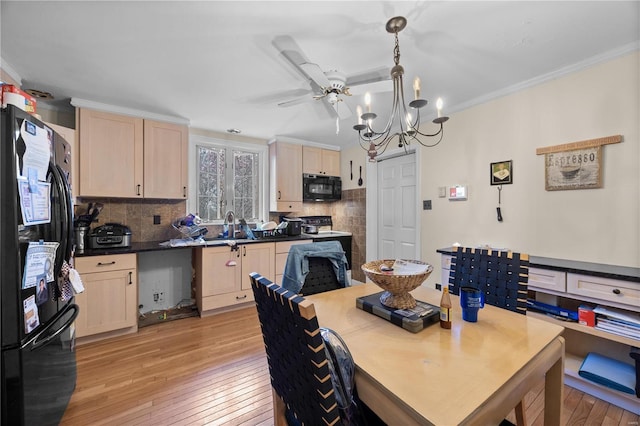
[397,208]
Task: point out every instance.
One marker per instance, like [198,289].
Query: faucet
[230,219]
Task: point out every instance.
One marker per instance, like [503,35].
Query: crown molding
[10,71]
[83,103]
[561,72]
[297,141]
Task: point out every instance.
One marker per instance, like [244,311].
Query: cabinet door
[220,269]
[331,162]
[260,258]
[286,176]
[110,149]
[312,160]
[69,135]
[109,302]
[165,160]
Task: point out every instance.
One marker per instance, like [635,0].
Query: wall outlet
[426,204]
[156,219]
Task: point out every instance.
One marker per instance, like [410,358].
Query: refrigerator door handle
[65,203]
[35,342]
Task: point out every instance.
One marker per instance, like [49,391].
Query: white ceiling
[213,63]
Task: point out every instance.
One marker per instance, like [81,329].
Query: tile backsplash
[138,215]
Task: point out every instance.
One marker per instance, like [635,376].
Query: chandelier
[405,125]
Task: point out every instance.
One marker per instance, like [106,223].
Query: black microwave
[321,188]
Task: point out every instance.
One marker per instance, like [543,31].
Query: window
[228,176]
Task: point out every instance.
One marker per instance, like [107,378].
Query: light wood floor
[213,370]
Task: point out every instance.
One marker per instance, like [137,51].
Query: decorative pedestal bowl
[396,286]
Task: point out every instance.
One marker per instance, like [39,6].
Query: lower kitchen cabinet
[110,299]
[222,273]
[282,252]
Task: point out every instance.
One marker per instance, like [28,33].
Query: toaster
[110,235]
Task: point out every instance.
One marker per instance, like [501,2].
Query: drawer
[227,299]
[106,263]
[547,279]
[606,289]
[284,246]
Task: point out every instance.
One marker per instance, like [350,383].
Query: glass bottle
[445,309]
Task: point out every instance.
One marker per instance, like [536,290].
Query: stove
[324,232]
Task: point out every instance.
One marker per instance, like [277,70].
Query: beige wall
[359,158]
[593,225]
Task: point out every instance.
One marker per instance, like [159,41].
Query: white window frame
[263,184]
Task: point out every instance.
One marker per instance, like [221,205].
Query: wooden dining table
[474,373]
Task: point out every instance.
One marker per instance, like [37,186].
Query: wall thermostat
[457,192]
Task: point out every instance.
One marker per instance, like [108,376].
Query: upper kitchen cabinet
[285,168]
[318,161]
[111,154]
[165,160]
[128,157]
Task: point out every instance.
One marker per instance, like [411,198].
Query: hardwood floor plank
[213,370]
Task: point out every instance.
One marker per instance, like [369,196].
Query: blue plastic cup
[471,300]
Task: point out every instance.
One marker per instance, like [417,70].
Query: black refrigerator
[37,307]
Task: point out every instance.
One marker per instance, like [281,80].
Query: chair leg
[521,418]
[279,410]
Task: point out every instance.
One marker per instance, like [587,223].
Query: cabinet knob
[138,190]
[130,277]
[184,191]
[279,195]
[107,263]
[241,297]
[616,291]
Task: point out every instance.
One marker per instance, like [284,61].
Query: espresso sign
[578,169]
[575,165]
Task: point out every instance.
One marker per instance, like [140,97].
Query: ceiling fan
[329,86]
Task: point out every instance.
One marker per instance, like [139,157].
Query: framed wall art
[576,169]
[575,165]
[501,172]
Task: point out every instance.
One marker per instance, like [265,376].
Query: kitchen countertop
[625,273]
[156,245]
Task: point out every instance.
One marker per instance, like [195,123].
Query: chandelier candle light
[407,128]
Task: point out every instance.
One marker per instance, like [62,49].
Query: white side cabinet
[564,287]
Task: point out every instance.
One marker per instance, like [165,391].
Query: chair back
[298,364]
[503,276]
[315,268]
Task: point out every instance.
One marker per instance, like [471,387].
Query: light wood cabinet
[69,135]
[320,161]
[110,299]
[128,157]
[165,160]
[282,252]
[111,154]
[222,273]
[285,183]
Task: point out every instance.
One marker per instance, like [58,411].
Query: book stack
[618,322]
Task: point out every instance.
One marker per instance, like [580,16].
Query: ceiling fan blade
[296,101]
[314,72]
[366,77]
